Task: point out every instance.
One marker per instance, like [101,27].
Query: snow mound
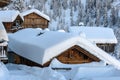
[61,30]
[23,72]
[96,72]
[4,73]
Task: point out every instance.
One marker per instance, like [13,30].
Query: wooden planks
[35,21]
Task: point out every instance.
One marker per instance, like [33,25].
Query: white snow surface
[9,15]
[23,72]
[97,73]
[4,73]
[87,71]
[82,72]
[37,12]
[41,49]
[95,34]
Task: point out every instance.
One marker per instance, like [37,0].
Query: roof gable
[76,55]
[37,12]
[9,15]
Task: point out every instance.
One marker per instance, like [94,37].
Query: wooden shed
[11,20]
[33,18]
[4,3]
[103,37]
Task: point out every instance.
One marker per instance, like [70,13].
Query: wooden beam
[87,53]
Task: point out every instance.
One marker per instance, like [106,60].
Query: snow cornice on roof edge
[3,33]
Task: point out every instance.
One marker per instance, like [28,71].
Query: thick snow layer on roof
[37,12]
[95,34]
[44,47]
[3,33]
[9,15]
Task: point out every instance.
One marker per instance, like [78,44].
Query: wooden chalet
[104,38]
[65,47]
[73,55]
[11,20]
[4,3]
[35,19]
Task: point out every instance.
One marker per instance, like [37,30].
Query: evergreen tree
[65,4]
[112,16]
[97,12]
[19,5]
[105,17]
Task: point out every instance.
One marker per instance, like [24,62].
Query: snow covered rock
[46,29]
[61,30]
[51,74]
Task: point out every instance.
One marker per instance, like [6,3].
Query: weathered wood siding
[35,21]
[76,55]
[107,47]
[8,26]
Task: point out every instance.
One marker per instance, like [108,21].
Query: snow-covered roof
[3,33]
[9,15]
[95,34]
[44,47]
[37,12]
